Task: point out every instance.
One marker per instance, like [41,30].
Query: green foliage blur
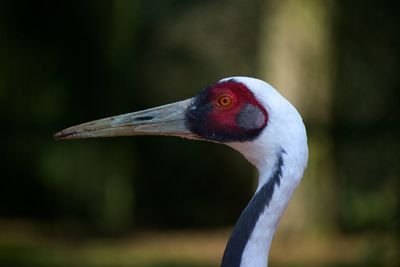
[67,62]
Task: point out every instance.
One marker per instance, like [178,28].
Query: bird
[248,115]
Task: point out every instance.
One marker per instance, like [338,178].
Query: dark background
[67,62]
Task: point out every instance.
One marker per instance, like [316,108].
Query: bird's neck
[250,241]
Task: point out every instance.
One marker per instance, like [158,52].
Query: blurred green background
[153,201]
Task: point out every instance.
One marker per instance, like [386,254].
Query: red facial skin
[237,122]
[226,116]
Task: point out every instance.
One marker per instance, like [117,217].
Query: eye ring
[224,101]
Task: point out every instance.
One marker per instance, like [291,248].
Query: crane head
[246,113]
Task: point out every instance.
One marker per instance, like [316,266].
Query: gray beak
[163,120]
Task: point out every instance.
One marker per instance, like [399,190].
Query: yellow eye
[224,101]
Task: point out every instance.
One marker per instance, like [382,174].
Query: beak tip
[62,135]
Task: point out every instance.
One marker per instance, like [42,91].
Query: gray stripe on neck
[249,217]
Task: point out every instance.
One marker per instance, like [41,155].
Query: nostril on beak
[144,118]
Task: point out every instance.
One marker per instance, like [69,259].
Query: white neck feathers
[280,154]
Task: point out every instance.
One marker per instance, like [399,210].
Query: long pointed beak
[163,120]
